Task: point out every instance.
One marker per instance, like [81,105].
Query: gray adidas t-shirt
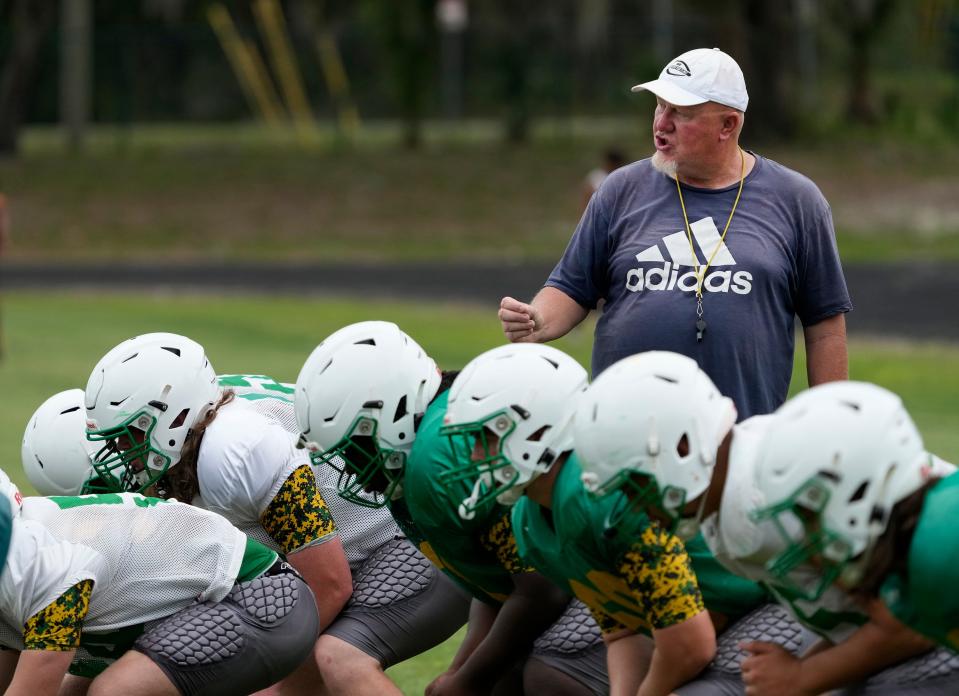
[778,261]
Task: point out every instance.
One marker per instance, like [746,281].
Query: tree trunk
[30,20]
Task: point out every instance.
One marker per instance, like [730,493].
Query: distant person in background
[702,234]
[613,159]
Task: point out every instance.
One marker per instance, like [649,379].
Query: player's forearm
[867,651]
[682,651]
[481,619]
[40,672]
[560,313]
[527,612]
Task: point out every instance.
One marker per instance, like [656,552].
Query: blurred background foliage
[814,67]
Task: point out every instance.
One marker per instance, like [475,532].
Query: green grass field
[54,340]
[237,192]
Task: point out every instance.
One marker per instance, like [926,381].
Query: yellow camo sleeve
[498,539]
[660,575]
[607,624]
[57,626]
[298,516]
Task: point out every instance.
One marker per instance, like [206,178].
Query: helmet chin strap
[467,509]
[688,527]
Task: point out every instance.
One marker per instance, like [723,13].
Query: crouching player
[159,597]
[772,476]
[636,578]
[371,403]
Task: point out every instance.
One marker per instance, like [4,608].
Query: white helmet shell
[159,383]
[657,414]
[10,491]
[366,380]
[56,455]
[848,450]
[524,393]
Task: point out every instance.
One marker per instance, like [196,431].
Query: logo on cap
[679,69]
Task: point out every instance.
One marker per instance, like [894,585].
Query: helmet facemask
[370,474]
[127,461]
[478,449]
[808,544]
[642,494]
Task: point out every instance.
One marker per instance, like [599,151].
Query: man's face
[686,137]
[485,446]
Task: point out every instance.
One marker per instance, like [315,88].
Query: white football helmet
[832,464]
[56,455]
[522,393]
[142,400]
[358,398]
[651,425]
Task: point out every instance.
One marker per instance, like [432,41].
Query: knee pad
[934,664]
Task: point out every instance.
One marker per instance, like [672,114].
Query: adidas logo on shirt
[668,273]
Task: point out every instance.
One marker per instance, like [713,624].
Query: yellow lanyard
[701,277]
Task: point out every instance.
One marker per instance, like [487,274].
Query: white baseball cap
[699,76]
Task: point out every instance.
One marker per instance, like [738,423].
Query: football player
[150,596]
[241,461]
[370,403]
[513,411]
[751,500]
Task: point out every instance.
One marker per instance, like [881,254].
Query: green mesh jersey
[638,577]
[923,601]
[479,554]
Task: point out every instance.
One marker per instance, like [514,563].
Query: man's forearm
[481,619]
[560,314]
[827,357]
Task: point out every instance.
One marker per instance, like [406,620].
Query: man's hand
[520,321]
[771,670]
[451,684]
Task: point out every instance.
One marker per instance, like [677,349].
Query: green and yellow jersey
[636,576]
[479,554]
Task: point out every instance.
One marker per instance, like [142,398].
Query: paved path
[915,300]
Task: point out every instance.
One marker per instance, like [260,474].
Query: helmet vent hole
[172,443]
[401,409]
[682,447]
[552,362]
[525,455]
[402,436]
[851,405]
[667,379]
[117,403]
[326,367]
[39,461]
[180,419]
[860,492]
[69,410]
[520,411]
[129,358]
[366,342]
[538,435]
[170,349]
[332,417]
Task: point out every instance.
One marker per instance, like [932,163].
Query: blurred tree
[29,22]
[861,21]
[409,31]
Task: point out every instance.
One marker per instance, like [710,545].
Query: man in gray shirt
[703,249]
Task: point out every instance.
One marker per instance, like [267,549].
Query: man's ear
[731,125]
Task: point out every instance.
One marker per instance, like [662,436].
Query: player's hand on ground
[771,670]
[520,321]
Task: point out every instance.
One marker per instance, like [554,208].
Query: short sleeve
[821,291]
[582,272]
[660,575]
[58,625]
[298,516]
[499,540]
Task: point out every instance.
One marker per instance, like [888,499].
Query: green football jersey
[923,600]
[479,554]
[636,576]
